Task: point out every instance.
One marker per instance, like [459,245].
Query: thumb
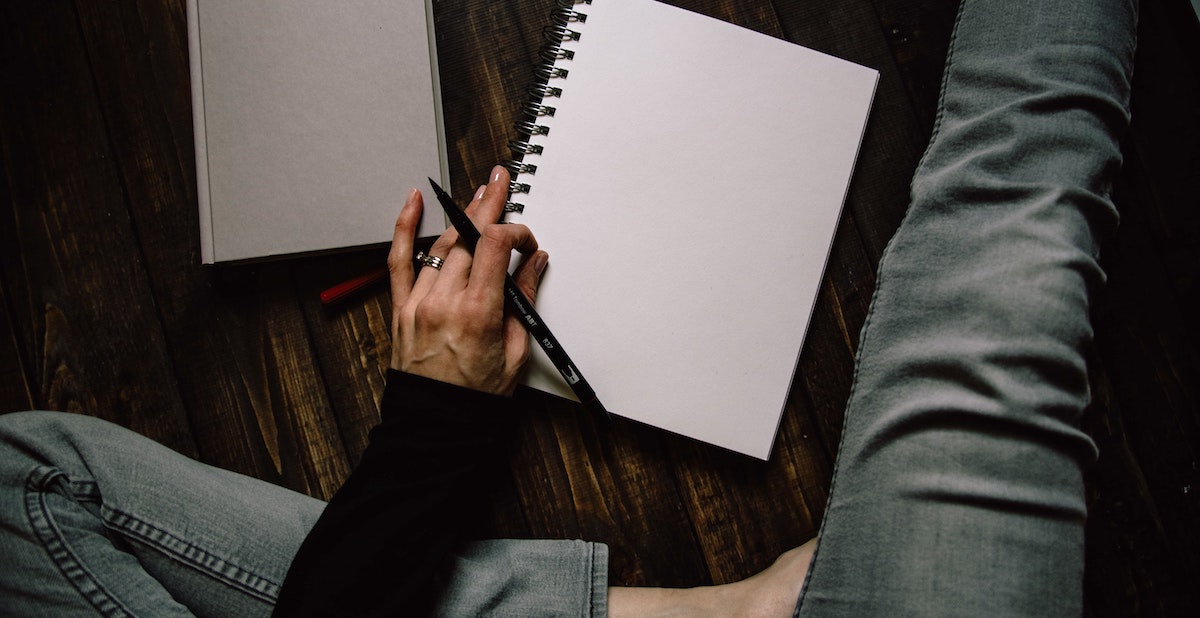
[528,274]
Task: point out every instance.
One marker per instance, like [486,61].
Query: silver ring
[431,261]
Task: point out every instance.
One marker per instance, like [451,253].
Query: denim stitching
[37,485]
[589,559]
[43,480]
[879,284]
[190,555]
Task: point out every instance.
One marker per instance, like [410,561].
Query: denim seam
[879,284]
[599,582]
[188,554]
[135,529]
[42,523]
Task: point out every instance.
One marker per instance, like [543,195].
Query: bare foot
[770,593]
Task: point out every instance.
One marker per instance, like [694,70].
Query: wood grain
[105,310]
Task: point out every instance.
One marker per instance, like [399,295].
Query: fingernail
[479,192]
[496,171]
[540,259]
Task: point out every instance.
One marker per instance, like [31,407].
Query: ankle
[775,590]
[659,602]
[772,592]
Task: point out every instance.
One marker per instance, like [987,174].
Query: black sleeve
[384,545]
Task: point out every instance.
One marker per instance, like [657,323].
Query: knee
[42,435]
[33,424]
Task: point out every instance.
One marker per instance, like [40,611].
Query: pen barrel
[520,304]
[533,323]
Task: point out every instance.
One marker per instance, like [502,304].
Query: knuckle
[444,243]
[475,307]
[495,235]
[429,311]
[403,223]
[397,262]
[519,229]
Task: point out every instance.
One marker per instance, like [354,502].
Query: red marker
[341,290]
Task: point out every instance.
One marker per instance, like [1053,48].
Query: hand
[450,324]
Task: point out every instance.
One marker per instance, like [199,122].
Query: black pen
[518,302]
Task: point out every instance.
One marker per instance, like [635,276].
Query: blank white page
[690,184]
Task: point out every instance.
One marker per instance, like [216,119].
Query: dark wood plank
[919,34]
[486,56]
[1132,566]
[876,201]
[14,382]
[351,342]
[1143,545]
[14,378]
[79,294]
[263,410]
[582,477]
[104,310]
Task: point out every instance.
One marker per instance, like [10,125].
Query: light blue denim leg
[529,579]
[958,488]
[98,520]
[95,519]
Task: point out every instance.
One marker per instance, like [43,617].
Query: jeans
[958,487]
[98,520]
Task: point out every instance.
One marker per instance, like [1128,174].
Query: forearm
[384,544]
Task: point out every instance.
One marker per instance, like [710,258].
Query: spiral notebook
[312,120]
[686,176]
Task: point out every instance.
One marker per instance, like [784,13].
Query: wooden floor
[104,309]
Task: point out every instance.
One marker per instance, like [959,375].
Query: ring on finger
[432,261]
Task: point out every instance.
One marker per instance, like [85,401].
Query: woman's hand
[450,324]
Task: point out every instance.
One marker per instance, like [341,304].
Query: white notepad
[688,187]
[312,121]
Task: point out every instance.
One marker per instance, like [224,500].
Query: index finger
[491,202]
[400,256]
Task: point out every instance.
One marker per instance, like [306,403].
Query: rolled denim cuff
[529,578]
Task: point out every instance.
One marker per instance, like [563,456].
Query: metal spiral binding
[526,127]
[544,90]
[518,167]
[524,148]
[553,53]
[560,32]
[549,73]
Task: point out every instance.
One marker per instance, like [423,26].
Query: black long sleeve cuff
[384,545]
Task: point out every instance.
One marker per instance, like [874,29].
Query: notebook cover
[312,120]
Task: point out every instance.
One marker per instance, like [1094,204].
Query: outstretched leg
[95,519]
[958,487]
